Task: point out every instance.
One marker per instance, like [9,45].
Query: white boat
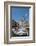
[20,31]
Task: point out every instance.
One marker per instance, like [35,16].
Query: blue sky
[17,13]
